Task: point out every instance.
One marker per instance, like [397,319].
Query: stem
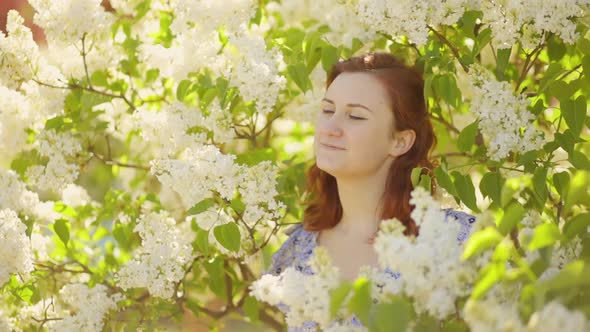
[84,60]
[455,51]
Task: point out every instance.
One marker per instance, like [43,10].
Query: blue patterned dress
[300,245]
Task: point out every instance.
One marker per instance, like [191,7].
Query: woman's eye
[356,117]
[327,111]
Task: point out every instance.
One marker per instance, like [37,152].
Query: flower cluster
[15,196]
[306,297]
[68,21]
[76,308]
[431,270]
[163,257]
[344,23]
[410,18]
[15,250]
[255,71]
[555,316]
[84,308]
[503,117]
[218,173]
[527,21]
[18,52]
[492,314]
[61,148]
[14,115]
[205,165]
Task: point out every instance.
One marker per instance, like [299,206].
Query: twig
[108,161]
[445,41]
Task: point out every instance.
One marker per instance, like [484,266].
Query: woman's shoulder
[465,219]
[298,246]
[459,216]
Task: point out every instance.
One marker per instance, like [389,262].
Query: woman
[374,128]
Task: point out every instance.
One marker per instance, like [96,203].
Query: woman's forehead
[359,88]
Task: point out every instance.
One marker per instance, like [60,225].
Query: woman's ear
[402,142]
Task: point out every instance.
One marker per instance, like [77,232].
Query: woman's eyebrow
[349,105]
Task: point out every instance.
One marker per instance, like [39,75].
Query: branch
[109,161]
[455,51]
[84,60]
[528,63]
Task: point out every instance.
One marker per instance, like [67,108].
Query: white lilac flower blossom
[431,272]
[67,21]
[343,20]
[307,296]
[16,197]
[171,130]
[526,21]
[255,71]
[6,322]
[161,260]
[15,246]
[19,54]
[556,317]
[205,165]
[409,18]
[84,308]
[15,111]
[502,115]
[61,148]
[496,311]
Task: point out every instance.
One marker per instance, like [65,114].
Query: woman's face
[354,129]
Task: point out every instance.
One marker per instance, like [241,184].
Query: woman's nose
[332,126]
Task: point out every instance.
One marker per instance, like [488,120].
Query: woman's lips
[330,147]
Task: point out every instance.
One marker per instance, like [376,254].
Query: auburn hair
[405,88]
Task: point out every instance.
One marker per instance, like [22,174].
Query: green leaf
[202,240]
[393,316]
[578,190]
[152,75]
[99,78]
[513,214]
[491,186]
[62,229]
[577,225]
[560,89]
[573,275]
[182,89]
[360,302]
[444,181]
[561,181]
[446,87]
[481,241]
[584,45]
[539,185]
[298,73]
[579,160]
[545,235]
[251,308]
[337,297]
[502,59]
[237,205]
[228,235]
[426,323]
[574,113]
[202,206]
[415,176]
[466,190]
[467,137]
[329,57]
[492,274]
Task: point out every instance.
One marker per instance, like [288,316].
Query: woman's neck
[360,198]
